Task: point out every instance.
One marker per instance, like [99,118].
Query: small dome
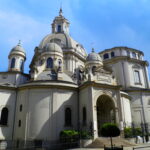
[52,47]
[93,57]
[18,48]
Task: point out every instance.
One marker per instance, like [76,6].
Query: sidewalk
[125,148]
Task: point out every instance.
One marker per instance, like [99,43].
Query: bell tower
[60,24]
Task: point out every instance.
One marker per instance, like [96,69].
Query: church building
[66,88]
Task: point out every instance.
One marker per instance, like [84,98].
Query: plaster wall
[7,99]
[44,113]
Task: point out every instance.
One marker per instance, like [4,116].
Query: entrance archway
[105,111]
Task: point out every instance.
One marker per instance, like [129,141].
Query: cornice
[8,87]
[121,48]
[100,85]
[75,54]
[49,84]
[127,58]
[138,90]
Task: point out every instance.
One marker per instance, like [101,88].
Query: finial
[19,43]
[92,44]
[60,11]
[93,50]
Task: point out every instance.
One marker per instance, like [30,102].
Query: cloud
[15,27]
[18,26]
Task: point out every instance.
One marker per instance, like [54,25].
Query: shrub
[85,135]
[132,132]
[69,135]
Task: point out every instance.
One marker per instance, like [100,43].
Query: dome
[18,48]
[93,57]
[52,47]
[64,41]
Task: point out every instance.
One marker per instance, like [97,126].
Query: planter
[132,140]
[3,145]
[85,142]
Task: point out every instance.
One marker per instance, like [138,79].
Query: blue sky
[106,23]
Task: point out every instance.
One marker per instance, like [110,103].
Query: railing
[45,145]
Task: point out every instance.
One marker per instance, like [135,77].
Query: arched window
[128,53]
[112,54]
[59,28]
[106,56]
[13,63]
[93,69]
[84,115]
[59,62]
[133,55]
[67,116]
[21,65]
[59,65]
[4,116]
[49,63]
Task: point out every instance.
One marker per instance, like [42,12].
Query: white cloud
[18,26]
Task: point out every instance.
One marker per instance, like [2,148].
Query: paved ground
[139,147]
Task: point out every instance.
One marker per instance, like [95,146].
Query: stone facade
[68,89]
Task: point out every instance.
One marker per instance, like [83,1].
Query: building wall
[7,99]
[88,98]
[140,106]
[43,113]
[13,78]
[126,110]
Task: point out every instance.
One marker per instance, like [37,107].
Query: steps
[117,141]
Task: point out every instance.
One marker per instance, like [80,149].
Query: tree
[110,130]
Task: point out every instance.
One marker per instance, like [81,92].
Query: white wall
[7,99]
[44,113]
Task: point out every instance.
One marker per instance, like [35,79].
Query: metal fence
[39,144]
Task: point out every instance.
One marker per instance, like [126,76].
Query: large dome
[64,41]
[52,47]
[93,57]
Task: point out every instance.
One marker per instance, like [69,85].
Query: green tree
[110,130]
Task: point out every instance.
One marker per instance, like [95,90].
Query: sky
[101,24]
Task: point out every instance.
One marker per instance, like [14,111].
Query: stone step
[117,141]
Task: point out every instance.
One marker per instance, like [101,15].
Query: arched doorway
[105,111]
